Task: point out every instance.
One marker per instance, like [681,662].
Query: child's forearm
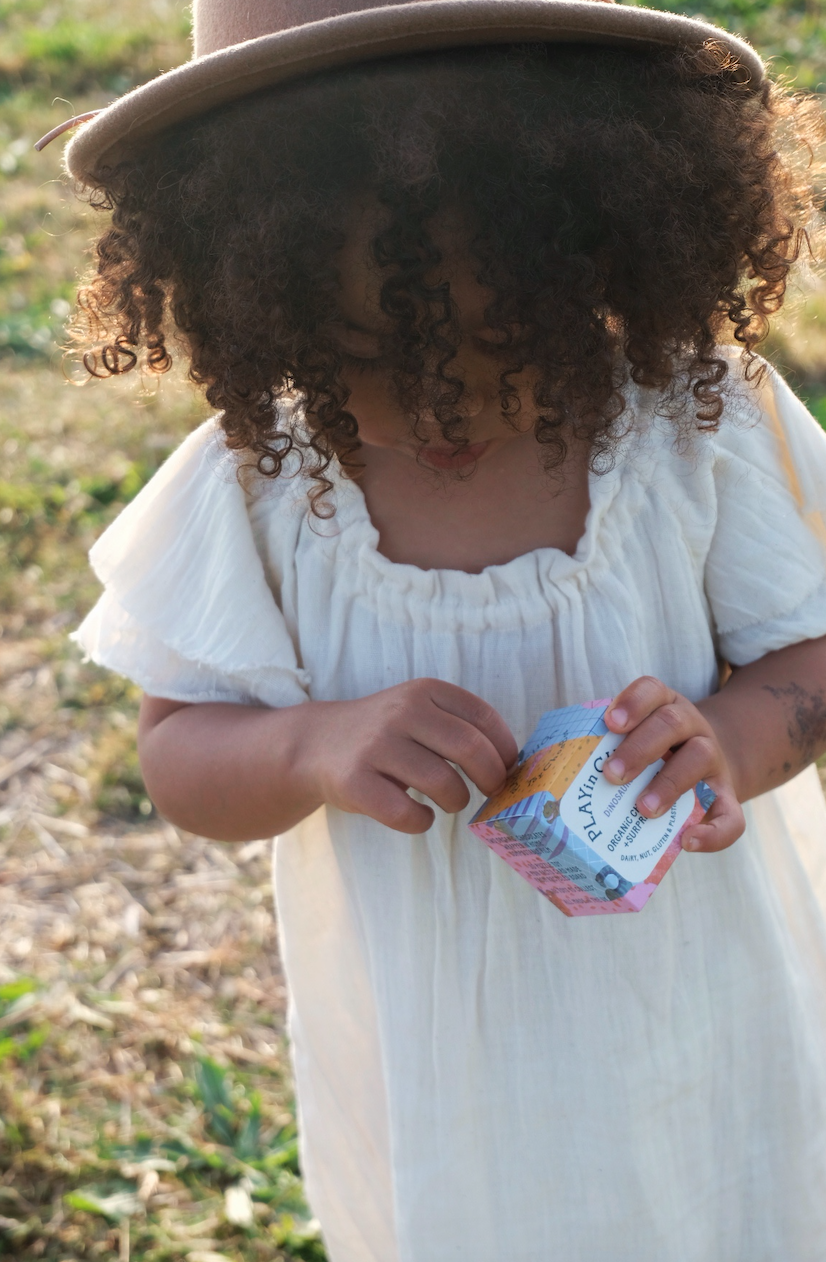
[770,717]
[225,771]
[238,772]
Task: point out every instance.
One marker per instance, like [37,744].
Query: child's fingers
[637,701]
[697,759]
[379,790]
[420,768]
[670,725]
[389,804]
[473,710]
[722,824]
[462,743]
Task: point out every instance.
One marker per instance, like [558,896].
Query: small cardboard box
[573,835]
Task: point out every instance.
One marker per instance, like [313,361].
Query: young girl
[478,322]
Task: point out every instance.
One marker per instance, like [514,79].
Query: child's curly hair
[624,208]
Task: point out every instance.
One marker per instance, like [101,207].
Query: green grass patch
[233,1176]
[78,55]
[12,991]
[88,47]
[789,34]
[816,404]
[33,512]
[24,1041]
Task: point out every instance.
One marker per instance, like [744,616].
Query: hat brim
[224,76]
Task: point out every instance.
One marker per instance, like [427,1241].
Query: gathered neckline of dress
[515,592]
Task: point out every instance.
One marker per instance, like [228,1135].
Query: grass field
[145,1099]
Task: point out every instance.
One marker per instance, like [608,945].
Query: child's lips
[450,458]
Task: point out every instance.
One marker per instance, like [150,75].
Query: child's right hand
[239,771]
[362,756]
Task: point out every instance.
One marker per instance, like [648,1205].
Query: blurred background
[145,1099]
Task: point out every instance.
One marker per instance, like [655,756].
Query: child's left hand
[657,721]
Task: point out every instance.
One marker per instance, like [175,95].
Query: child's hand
[659,720]
[363,755]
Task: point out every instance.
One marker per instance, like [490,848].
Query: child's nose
[476,376]
[470,405]
[472,401]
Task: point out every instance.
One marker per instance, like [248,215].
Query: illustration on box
[573,835]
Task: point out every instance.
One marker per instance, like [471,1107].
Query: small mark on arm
[806,727]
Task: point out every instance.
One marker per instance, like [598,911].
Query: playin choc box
[573,835]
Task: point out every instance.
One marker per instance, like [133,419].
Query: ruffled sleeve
[187,612]
[766,569]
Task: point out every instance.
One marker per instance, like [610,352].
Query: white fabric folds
[766,559]
[478,1077]
[187,612]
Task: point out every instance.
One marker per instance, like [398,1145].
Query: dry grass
[144,951]
[144,1083]
[130,955]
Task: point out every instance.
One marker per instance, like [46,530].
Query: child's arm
[764,726]
[238,772]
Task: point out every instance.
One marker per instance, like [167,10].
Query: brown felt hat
[243,45]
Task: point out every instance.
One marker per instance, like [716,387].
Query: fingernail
[620,717]
[690,843]
[615,768]
[651,803]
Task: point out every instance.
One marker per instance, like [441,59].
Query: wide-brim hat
[241,46]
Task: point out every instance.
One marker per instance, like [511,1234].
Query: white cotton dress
[481,1079]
